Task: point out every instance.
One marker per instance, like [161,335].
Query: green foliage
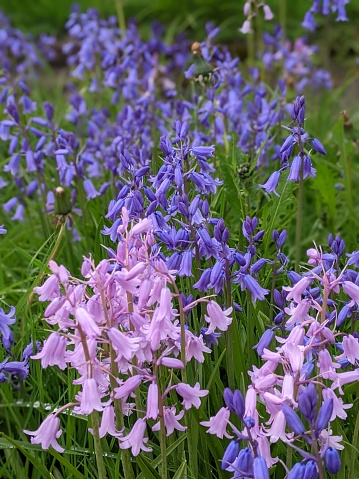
[331,206]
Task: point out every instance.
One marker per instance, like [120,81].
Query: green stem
[121,17]
[135,362]
[163,438]
[250,48]
[319,460]
[192,456]
[283,16]
[289,458]
[117,404]
[229,334]
[94,415]
[53,254]
[354,442]
[298,231]
[272,291]
[98,449]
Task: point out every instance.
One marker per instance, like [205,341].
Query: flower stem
[121,17]
[298,231]
[229,334]
[319,460]
[98,449]
[53,254]
[162,437]
[272,290]
[283,16]
[117,404]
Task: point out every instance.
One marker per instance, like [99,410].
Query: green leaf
[69,467]
[147,470]
[34,460]
[181,471]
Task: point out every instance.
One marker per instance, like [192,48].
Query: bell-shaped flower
[297,290]
[293,420]
[49,290]
[135,438]
[218,424]
[89,398]
[260,469]
[350,347]
[108,422]
[87,323]
[352,290]
[191,395]
[217,318]
[152,401]
[332,460]
[171,420]
[324,415]
[230,454]
[124,345]
[47,434]
[53,352]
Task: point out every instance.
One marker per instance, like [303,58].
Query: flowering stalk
[299,223]
[163,439]
[52,256]
[101,469]
[125,454]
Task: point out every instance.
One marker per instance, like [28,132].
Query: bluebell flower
[17,369]
[210,339]
[311,470]
[332,460]
[6,333]
[264,341]
[324,415]
[297,471]
[272,183]
[248,282]
[260,469]
[228,399]
[307,402]
[230,454]
[238,403]
[244,462]
[293,420]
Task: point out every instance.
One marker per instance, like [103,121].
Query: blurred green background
[49,16]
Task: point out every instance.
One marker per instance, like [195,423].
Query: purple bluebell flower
[297,471]
[311,470]
[230,454]
[238,403]
[228,399]
[324,415]
[332,460]
[293,420]
[244,462]
[264,341]
[5,321]
[316,144]
[272,183]
[307,402]
[248,282]
[260,469]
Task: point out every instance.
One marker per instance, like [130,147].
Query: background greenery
[26,249]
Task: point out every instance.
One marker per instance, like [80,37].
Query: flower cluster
[298,140]
[325,7]
[251,9]
[300,383]
[119,329]
[295,62]
[11,370]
